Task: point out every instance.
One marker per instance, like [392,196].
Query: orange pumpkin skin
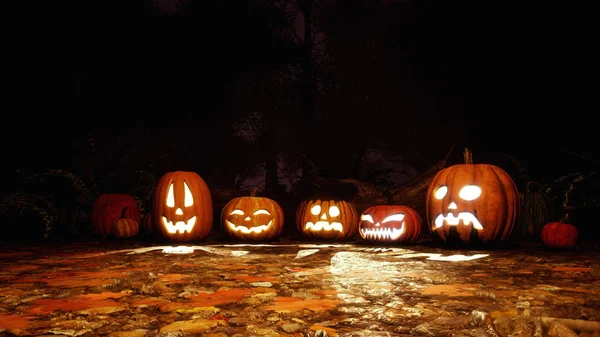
[108,208]
[559,235]
[329,220]
[182,207]
[252,219]
[125,228]
[390,223]
[487,218]
[148,224]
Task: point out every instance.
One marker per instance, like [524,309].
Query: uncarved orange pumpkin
[559,235]
[472,203]
[182,207]
[108,208]
[125,228]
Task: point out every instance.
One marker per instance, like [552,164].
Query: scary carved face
[472,203]
[252,218]
[390,223]
[182,206]
[332,220]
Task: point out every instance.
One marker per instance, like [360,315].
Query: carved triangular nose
[247,218]
[178,211]
[452,205]
[324,216]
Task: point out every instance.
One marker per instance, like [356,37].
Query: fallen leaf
[290,304]
[15,321]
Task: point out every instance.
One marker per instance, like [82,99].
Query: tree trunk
[308,87]
[270,154]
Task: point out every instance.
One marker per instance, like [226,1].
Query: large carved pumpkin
[559,234]
[333,220]
[252,218]
[108,208]
[390,223]
[182,207]
[472,203]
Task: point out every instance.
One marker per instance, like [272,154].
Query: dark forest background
[166,85]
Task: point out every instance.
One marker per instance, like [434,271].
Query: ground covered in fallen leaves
[296,289]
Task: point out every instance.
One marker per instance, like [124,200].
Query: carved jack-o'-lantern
[182,207]
[333,220]
[252,218]
[390,223]
[472,203]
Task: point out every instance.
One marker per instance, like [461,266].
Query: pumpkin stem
[253,192]
[389,197]
[468,156]
[123,212]
[529,184]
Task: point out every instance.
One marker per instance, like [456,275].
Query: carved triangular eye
[189,198]
[170,196]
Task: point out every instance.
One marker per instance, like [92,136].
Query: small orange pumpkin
[252,218]
[148,224]
[125,228]
[108,208]
[559,235]
[332,220]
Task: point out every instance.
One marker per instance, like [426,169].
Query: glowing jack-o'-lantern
[182,207]
[333,220]
[472,203]
[390,223]
[252,218]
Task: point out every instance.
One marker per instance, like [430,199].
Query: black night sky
[415,76]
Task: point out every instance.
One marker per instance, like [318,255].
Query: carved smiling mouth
[382,233]
[324,225]
[244,229]
[464,218]
[179,226]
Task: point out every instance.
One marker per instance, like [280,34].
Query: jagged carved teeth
[179,226]
[244,229]
[382,233]
[464,218]
[324,225]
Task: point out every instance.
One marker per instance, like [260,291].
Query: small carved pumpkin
[108,208]
[390,223]
[559,235]
[252,218]
[332,220]
[182,207]
[472,203]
